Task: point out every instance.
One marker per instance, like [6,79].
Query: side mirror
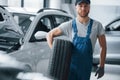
[40,35]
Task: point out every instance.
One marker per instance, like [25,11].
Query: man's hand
[53,33]
[99,72]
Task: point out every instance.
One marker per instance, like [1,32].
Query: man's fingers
[96,74]
[100,75]
[99,72]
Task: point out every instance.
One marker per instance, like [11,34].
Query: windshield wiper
[8,29]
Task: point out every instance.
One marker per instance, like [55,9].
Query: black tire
[60,59]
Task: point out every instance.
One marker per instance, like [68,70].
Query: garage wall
[30,5]
[105,2]
[3,2]
[104,13]
[14,3]
[105,10]
[36,4]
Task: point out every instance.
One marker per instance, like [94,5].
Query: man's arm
[100,70]
[102,42]
[54,32]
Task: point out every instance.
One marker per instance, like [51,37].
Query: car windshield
[61,19]
[115,26]
[22,16]
[57,20]
[23,20]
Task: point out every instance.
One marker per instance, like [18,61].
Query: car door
[113,42]
[113,37]
[36,52]
[58,19]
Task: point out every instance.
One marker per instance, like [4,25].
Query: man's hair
[82,1]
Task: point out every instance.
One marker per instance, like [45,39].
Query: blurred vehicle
[29,48]
[34,49]
[10,67]
[112,32]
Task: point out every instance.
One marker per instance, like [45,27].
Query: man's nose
[82,8]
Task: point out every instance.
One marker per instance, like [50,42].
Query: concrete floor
[112,72]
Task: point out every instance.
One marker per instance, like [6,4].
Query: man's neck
[83,20]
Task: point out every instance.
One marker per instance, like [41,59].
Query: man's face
[83,9]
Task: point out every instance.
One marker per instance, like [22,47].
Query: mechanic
[83,31]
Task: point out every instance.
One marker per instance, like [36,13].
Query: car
[112,32]
[33,48]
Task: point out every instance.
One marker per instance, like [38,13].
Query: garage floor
[112,72]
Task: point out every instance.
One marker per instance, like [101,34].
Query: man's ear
[76,6]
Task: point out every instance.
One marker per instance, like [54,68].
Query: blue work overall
[81,60]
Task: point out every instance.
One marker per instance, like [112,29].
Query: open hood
[7,21]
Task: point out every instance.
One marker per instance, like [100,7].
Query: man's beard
[83,16]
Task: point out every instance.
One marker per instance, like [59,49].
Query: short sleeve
[65,28]
[101,30]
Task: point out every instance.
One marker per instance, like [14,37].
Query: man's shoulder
[67,23]
[96,21]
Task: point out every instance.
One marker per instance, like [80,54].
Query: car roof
[52,11]
[114,20]
[20,10]
[33,12]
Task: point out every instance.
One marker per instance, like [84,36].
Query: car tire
[60,59]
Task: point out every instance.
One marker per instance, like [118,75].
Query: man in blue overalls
[83,33]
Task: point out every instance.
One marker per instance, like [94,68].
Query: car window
[6,25]
[60,19]
[44,24]
[115,26]
[47,21]
[24,21]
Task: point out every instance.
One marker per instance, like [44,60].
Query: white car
[33,48]
[30,46]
